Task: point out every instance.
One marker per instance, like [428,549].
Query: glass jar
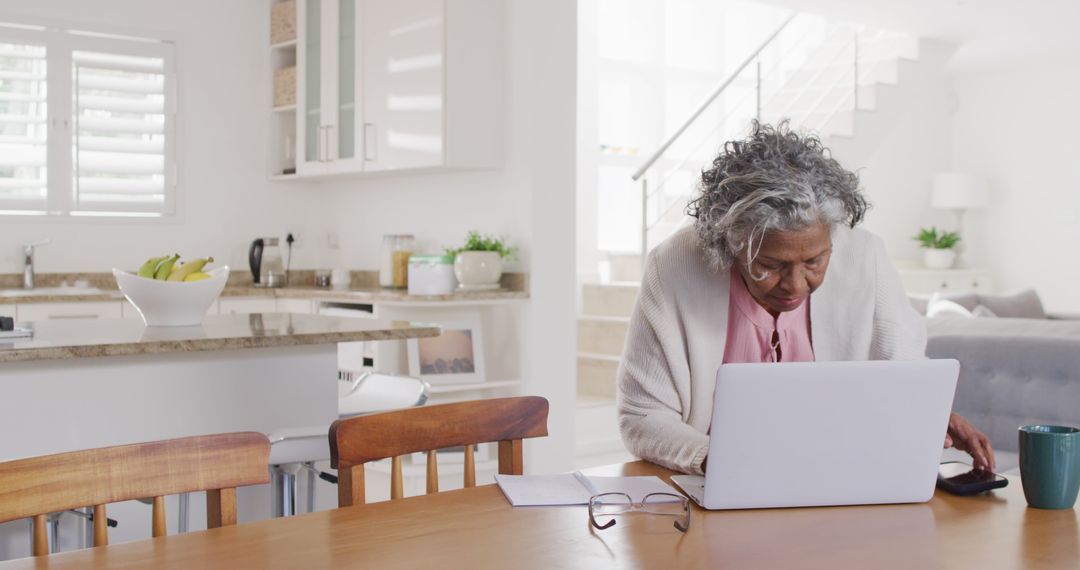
[394,262]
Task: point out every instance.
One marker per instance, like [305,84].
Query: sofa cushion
[919,302]
[965,300]
[938,308]
[1023,305]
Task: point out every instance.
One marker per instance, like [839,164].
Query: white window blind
[96,113]
[23,126]
[119,142]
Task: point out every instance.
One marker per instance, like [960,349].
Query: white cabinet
[302,306]
[398,85]
[404,63]
[7,310]
[328,97]
[73,310]
[926,281]
[245,305]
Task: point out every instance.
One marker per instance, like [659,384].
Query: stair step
[602,335]
[624,267]
[613,300]
[596,378]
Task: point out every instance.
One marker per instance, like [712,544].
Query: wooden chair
[356,441]
[217,464]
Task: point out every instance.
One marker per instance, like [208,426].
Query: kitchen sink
[59,291]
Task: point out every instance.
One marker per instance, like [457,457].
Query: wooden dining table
[477,528]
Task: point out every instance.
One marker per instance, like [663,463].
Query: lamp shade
[957,191]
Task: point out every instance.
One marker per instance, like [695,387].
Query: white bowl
[172,303]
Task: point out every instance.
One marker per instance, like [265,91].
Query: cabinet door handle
[370,142]
[329,156]
[319,145]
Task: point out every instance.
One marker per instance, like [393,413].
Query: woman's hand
[965,437]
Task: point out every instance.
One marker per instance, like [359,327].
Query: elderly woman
[773,270]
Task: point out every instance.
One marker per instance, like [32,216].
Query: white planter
[478,269]
[939,258]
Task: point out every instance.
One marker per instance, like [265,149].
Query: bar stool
[294,451]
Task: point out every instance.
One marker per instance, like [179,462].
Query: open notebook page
[574,488]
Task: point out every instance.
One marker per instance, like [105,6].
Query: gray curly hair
[773,180]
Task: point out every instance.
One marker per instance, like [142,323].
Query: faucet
[28,262]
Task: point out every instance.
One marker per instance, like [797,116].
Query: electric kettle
[267,269]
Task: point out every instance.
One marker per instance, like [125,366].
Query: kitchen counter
[61,339]
[361,295]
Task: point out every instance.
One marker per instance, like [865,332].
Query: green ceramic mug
[1050,465]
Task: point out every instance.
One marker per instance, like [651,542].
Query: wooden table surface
[477,528]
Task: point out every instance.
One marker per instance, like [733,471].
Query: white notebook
[574,488]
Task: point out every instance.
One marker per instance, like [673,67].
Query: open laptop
[807,434]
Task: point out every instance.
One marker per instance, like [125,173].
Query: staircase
[824,77]
[601,334]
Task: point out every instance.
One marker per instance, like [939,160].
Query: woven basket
[285,86]
[283,22]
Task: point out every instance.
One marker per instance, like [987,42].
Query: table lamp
[958,192]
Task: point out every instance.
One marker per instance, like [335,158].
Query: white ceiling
[988,32]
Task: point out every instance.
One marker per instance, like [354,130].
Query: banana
[194,266]
[165,268]
[197,276]
[150,266]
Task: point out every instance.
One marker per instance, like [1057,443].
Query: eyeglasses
[605,507]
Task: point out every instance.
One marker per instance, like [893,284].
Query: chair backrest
[356,441]
[217,464]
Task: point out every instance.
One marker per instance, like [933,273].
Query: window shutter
[23,128]
[119,134]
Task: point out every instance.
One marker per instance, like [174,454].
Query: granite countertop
[364,289]
[370,295]
[61,339]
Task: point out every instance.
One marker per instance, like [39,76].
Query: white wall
[225,200]
[899,146]
[1018,127]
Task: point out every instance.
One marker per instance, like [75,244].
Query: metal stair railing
[845,38]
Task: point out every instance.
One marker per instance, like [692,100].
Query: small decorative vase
[939,258]
[478,270]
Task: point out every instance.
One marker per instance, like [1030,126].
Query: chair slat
[351,485]
[470,466]
[511,460]
[432,473]
[101,526]
[221,507]
[396,485]
[41,535]
[159,527]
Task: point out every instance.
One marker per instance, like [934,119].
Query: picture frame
[455,357]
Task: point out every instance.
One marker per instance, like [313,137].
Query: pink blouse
[750,329]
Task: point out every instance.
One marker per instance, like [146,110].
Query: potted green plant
[478,263]
[940,247]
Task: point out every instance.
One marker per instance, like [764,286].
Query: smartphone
[962,479]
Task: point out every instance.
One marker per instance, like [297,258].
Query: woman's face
[794,265]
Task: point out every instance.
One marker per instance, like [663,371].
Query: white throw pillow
[983,313]
[945,308]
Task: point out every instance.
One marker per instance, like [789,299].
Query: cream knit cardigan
[678,329]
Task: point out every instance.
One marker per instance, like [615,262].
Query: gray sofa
[1009,381]
[1018,364]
